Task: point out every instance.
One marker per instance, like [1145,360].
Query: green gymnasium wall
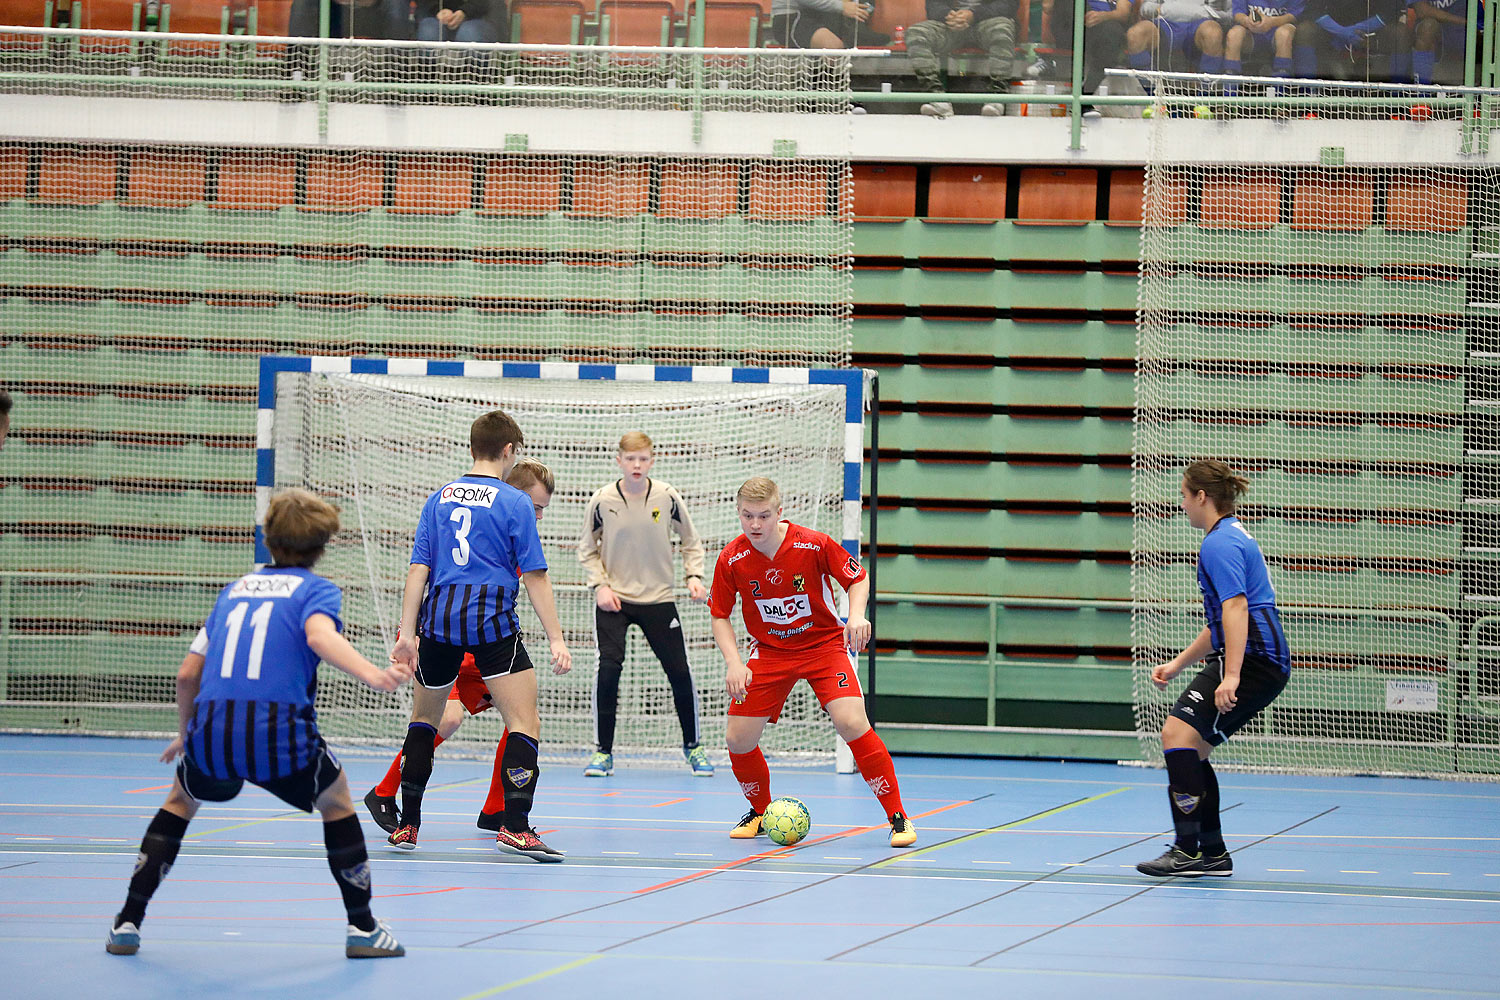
[998,305]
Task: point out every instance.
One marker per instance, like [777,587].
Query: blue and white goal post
[378,435]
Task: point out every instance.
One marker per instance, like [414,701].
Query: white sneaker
[937,109]
[993,110]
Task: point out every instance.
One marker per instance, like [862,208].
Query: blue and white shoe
[379,943]
[123,940]
[698,762]
[601,765]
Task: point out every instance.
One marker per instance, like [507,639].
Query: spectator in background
[1440,28]
[823,24]
[455,21]
[953,24]
[1195,28]
[348,19]
[1339,32]
[1104,25]
[4,416]
[1262,28]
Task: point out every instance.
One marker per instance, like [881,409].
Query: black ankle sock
[1211,838]
[416,768]
[350,864]
[159,849]
[1185,791]
[518,774]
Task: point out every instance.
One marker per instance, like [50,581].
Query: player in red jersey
[781,571]
[470,695]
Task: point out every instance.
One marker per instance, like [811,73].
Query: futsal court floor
[1022,885]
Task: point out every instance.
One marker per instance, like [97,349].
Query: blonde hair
[528,472]
[298,526]
[635,441]
[1216,480]
[759,489]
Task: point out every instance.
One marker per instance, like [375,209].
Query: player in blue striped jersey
[1248,665]
[245,694]
[476,545]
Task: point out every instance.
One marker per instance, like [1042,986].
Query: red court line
[784,851]
[669,802]
[153,788]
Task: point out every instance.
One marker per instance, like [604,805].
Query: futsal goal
[378,436]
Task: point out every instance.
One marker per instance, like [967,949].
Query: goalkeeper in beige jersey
[626,551]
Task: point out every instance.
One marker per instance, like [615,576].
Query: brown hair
[759,489]
[1217,480]
[635,441]
[490,434]
[298,526]
[528,472]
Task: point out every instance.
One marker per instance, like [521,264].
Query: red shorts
[829,672]
[470,688]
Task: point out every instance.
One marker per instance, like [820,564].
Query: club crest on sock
[358,876]
[519,776]
[878,784]
[1185,803]
[750,788]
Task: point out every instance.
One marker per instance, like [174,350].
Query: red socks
[755,777]
[874,763]
[392,781]
[494,802]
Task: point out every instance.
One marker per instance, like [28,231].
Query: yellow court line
[240,826]
[996,829]
[576,963]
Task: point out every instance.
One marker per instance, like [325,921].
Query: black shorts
[1260,682]
[300,790]
[438,662]
[795,31]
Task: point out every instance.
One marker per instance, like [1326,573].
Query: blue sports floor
[1022,885]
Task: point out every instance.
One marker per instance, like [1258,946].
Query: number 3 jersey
[476,535]
[253,717]
[789,604]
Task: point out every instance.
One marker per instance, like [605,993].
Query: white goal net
[378,444]
[1319,306]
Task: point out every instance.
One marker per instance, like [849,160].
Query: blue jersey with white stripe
[253,716]
[1230,564]
[476,535]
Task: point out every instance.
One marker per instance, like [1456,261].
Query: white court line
[628,854]
[1356,871]
[1432,873]
[682,854]
[836,857]
[991,862]
[466,816]
[753,870]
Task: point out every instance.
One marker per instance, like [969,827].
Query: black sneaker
[1174,862]
[1218,864]
[383,810]
[490,821]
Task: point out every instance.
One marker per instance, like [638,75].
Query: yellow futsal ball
[786,821]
